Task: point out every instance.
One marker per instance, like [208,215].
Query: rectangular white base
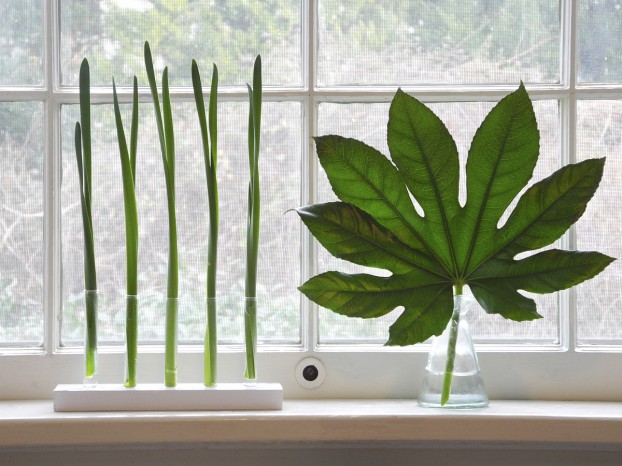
[157,397]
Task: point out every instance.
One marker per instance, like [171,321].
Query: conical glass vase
[452,378]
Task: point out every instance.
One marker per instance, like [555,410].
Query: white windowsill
[26,424]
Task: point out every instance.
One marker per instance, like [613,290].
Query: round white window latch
[310,373]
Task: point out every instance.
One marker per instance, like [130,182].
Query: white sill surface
[596,424]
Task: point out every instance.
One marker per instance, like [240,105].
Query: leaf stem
[128,171]
[210,157]
[451,356]
[164,123]
[252,232]
[83,157]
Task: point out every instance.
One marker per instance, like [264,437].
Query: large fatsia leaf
[377,225]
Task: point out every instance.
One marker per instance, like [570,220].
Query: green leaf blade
[213,120]
[129,201]
[426,317]
[134,129]
[351,234]
[156,101]
[546,272]
[501,161]
[548,208]
[426,155]
[85,123]
[367,296]
[362,176]
[500,297]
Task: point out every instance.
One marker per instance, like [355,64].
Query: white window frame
[561,372]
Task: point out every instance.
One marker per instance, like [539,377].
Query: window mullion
[568,131]
[52,281]
[309,310]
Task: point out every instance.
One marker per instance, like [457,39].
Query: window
[329,67]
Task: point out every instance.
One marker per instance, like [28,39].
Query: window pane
[599,129]
[279,261]
[367,122]
[600,48]
[111,34]
[21,224]
[438,42]
[21,42]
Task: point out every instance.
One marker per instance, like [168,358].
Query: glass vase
[210,346]
[131,340]
[90,337]
[452,377]
[170,342]
[250,337]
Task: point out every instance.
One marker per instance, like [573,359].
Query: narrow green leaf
[254,199]
[257,96]
[156,102]
[548,208]
[83,155]
[129,201]
[134,130]
[209,156]
[252,236]
[200,105]
[85,123]
[213,120]
[164,123]
[167,116]
[426,155]
[90,272]
[501,161]
[251,132]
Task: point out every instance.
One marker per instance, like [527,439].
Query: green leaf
[353,235]
[550,207]
[426,317]
[209,158]
[134,130]
[450,245]
[85,123]
[501,161]
[362,176]
[426,155]
[364,295]
[255,96]
[164,124]
[496,284]
[545,272]
[129,198]
[500,297]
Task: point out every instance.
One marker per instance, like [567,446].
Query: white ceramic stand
[157,397]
